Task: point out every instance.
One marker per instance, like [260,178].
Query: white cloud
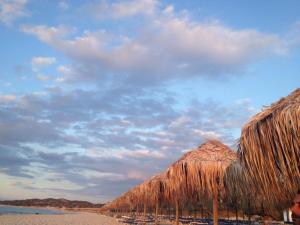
[122,9]
[294,34]
[180,122]
[85,130]
[42,77]
[40,62]
[169,10]
[63,5]
[7,84]
[206,134]
[67,72]
[141,153]
[168,47]
[47,34]
[130,8]
[7,98]
[247,104]
[134,174]
[64,69]
[10,10]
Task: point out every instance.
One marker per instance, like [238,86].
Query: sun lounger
[198,223]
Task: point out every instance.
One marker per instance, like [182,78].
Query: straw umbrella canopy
[201,170]
[236,185]
[148,193]
[141,191]
[119,203]
[127,200]
[239,194]
[155,188]
[269,150]
[132,197]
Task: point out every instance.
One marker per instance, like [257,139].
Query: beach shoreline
[76,218]
[63,209]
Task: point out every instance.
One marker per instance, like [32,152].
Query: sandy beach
[65,219]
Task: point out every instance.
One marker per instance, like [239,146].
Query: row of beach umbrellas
[264,172]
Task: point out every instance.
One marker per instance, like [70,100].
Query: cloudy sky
[96,96]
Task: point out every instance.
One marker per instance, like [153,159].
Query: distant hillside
[52,202]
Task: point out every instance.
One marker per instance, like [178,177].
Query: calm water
[26,210]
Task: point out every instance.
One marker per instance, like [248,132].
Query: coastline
[76,218]
[10,210]
[63,209]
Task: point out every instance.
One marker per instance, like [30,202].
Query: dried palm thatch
[202,171]
[131,198]
[143,196]
[155,187]
[127,201]
[239,194]
[269,150]
[149,193]
[119,203]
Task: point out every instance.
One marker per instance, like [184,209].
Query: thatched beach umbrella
[126,201]
[201,170]
[269,149]
[236,185]
[131,198]
[141,191]
[119,203]
[151,192]
[239,194]
[148,193]
[156,188]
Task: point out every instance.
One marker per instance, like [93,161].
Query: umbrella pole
[215,204]
[177,212]
[131,210]
[156,212]
[145,210]
[227,208]
[236,214]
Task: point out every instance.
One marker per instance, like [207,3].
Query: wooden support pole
[236,214]
[215,204]
[177,212]
[145,210]
[156,212]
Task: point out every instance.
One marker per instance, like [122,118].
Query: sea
[4,209]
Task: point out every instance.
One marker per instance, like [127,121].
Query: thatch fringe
[269,150]
[200,171]
[147,193]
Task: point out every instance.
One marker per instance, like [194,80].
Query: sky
[97,96]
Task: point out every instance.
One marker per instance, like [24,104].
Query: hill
[52,202]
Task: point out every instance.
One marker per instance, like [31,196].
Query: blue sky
[96,96]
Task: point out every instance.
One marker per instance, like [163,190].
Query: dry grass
[147,193]
[155,188]
[199,171]
[269,150]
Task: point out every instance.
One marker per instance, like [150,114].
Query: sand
[65,219]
